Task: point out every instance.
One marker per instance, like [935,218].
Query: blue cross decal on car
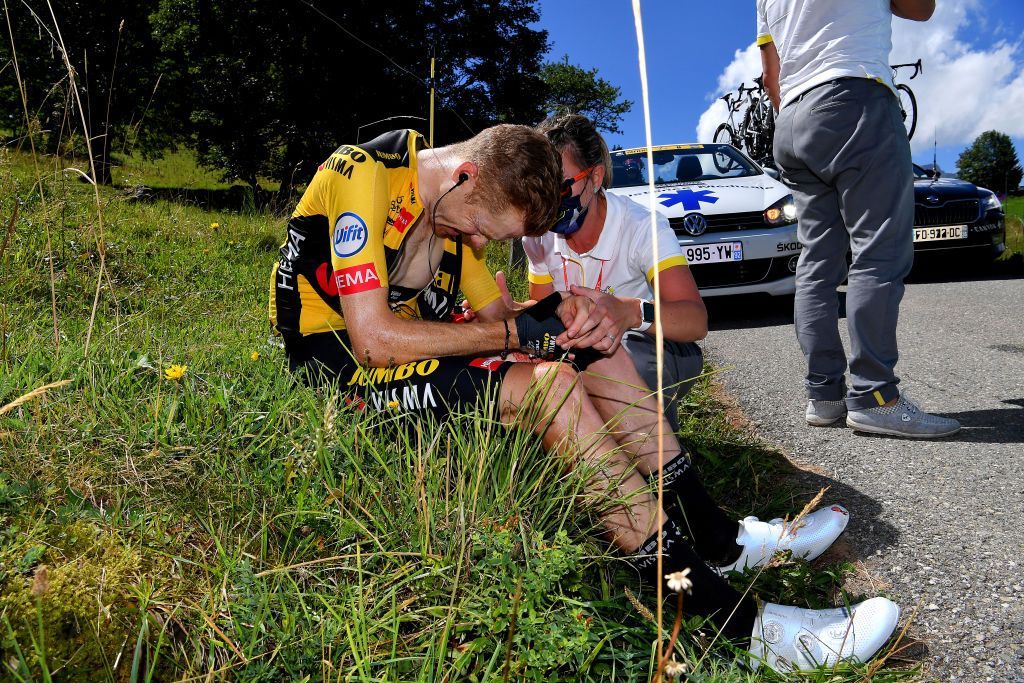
[688,198]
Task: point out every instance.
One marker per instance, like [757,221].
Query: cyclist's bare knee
[553,390]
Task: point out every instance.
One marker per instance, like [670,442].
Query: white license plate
[943,232]
[714,253]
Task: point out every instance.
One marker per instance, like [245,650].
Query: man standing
[841,146]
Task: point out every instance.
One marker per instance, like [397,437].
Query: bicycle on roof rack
[757,126]
[905,96]
[728,132]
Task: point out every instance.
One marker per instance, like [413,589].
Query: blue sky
[973,55]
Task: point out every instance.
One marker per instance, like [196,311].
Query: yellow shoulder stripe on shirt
[670,262]
[764,40]
[539,279]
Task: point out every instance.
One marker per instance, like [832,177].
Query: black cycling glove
[539,325]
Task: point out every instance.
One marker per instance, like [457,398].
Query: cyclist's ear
[465,171]
[598,176]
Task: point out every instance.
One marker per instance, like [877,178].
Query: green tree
[991,162]
[573,89]
[116,69]
[274,87]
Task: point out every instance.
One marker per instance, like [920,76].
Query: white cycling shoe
[796,639]
[807,539]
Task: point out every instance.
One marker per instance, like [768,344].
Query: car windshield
[920,173]
[685,163]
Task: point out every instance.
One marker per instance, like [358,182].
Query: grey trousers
[683,362]
[843,151]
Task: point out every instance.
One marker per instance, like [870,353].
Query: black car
[954,214]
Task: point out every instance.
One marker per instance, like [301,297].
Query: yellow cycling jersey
[348,230]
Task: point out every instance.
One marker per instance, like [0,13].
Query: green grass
[177,170]
[1014,207]
[172,170]
[235,525]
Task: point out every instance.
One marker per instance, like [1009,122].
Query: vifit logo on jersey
[350,235]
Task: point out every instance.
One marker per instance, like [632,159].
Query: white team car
[735,223]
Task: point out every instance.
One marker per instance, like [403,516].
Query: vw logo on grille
[932,199]
[695,224]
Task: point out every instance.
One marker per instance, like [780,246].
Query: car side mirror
[772,172]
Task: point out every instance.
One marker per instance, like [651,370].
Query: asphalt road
[938,524]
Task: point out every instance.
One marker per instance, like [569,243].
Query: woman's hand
[574,312]
[609,318]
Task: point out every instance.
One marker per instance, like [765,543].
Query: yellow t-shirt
[349,227]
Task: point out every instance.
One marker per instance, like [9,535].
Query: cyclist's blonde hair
[518,168]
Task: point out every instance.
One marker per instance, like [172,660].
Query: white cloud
[745,65]
[964,90]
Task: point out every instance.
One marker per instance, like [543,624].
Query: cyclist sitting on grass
[382,241]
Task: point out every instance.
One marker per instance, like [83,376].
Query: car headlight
[991,202]
[782,212]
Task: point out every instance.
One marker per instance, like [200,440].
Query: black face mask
[571,212]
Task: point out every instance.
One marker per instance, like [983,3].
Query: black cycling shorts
[435,385]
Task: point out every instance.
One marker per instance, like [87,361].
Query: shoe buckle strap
[809,649]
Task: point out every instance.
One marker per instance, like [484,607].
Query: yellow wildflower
[175,372]
[214,226]
[255,355]
[392,404]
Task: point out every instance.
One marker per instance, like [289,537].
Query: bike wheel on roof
[908,108]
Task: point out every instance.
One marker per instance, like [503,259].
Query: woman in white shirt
[603,250]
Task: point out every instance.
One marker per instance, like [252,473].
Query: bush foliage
[991,162]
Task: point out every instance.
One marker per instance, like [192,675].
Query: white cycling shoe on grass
[796,639]
[807,539]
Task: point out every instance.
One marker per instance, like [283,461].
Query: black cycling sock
[712,596]
[686,500]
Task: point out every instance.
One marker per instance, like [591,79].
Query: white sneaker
[796,639]
[808,539]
